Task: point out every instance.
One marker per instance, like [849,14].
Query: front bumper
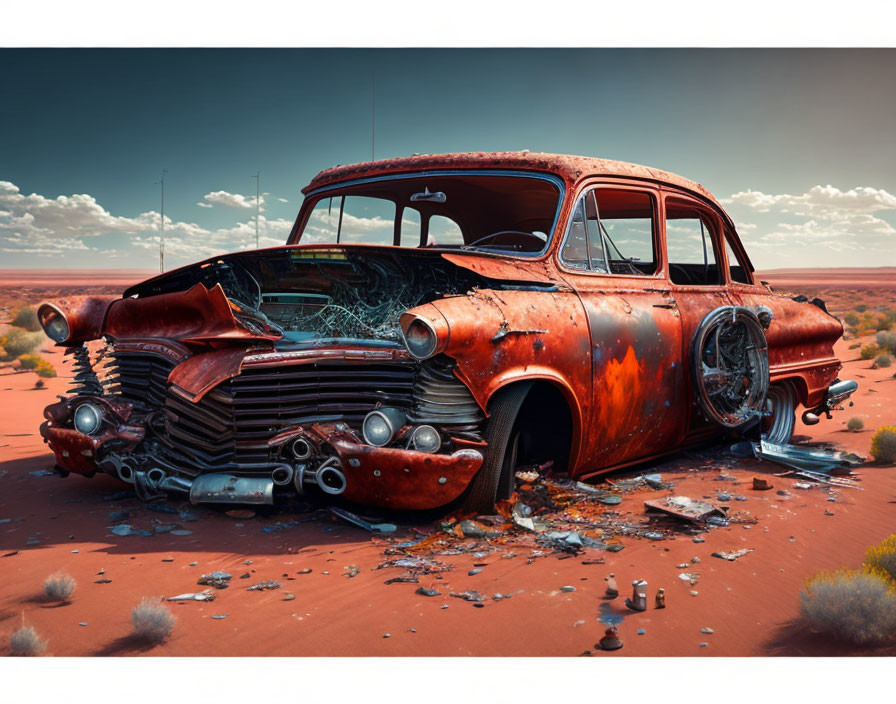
[386,477]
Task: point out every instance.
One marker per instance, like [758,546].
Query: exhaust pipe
[223,488]
[282,475]
[330,477]
[125,473]
[180,484]
[154,477]
[302,449]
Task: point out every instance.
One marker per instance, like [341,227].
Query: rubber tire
[496,471]
[783,398]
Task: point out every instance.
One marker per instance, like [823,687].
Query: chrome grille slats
[442,400]
[141,377]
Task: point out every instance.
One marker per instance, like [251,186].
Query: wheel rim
[781,403]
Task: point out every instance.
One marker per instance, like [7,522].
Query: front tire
[495,479]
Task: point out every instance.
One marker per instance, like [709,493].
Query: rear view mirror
[429,197]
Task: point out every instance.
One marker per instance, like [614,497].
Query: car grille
[140,377]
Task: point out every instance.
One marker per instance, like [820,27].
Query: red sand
[752,604]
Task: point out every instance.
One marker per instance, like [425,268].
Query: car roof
[569,167]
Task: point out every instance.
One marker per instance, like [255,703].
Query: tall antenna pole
[162,226]
[373,118]
[257,181]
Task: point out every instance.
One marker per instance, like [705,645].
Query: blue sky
[799,144]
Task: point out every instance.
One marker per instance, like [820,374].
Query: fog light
[88,419]
[381,425]
[425,438]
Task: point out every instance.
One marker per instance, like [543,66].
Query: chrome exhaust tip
[282,475]
[126,473]
[155,477]
[330,477]
[301,449]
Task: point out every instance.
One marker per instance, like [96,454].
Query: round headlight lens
[88,418]
[54,323]
[421,339]
[425,438]
[381,425]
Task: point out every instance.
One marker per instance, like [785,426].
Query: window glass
[443,231]
[410,227]
[626,218]
[736,268]
[348,219]
[689,243]
[575,249]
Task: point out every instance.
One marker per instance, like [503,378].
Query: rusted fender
[199,374]
[198,314]
[502,269]
[400,479]
[84,315]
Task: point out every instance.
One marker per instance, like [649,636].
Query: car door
[609,255]
[692,234]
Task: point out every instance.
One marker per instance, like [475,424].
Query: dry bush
[881,558]
[26,643]
[59,586]
[855,424]
[153,621]
[883,444]
[869,351]
[883,361]
[18,342]
[887,341]
[855,606]
[851,319]
[26,318]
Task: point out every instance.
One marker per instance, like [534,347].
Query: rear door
[610,256]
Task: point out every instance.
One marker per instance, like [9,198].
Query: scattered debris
[206,595]
[610,641]
[288,596]
[264,586]
[218,580]
[807,459]
[762,484]
[426,591]
[567,588]
[733,555]
[218,617]
[685,508]
[360,522]
[240,513]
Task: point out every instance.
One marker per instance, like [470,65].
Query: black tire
[781,402]
[495,478]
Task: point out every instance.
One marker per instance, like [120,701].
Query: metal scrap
[685,508]
[806,459]
[206,595]
[733,555]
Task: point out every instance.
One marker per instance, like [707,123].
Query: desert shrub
[153,621]
[881,323]
[855,424]
[883,361]
[30,361]
[39,384]
[19,342]
[886,340]
[869,351]
[855,346]
[881,558]
[855,606]
[851,319]
[26,317]
[883,444]
[891,315]
[26,643]
[59,586]
[861,308]
[45,369]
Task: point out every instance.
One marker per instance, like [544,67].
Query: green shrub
[30,361]
[886,340]
[855,424]
[18,342]
[869,351]
[851,319]
[26,317]
[883,361]
[861,308]
[883,444]
[855,606]
[882,323]
[45,369]
[881,558]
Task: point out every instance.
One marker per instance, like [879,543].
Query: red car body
[541,342]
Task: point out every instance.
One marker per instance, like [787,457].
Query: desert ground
[333,597]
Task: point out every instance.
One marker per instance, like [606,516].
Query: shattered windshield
[513,214]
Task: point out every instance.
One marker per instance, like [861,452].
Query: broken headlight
[88,418]
[53,321]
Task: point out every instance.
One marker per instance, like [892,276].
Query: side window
[443,231]
[626,221]
[611,231]
[736,268]
[690,245]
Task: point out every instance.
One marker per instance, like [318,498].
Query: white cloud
[283,200]
[231,200]
[819,200]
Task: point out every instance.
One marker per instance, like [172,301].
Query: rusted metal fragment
[202,372]
[685,508]
[198,314]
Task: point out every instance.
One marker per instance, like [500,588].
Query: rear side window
[612,231]
[736,268]
[690,245]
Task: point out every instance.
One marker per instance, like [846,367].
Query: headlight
[420,339]
[88,418]
[425,438]
[53,322]
[381,425]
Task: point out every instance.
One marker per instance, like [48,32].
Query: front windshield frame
[314,196]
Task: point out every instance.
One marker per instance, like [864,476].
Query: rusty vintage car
[431,324]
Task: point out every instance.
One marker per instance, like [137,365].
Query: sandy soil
[752,604]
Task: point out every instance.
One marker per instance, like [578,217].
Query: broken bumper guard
[837,393]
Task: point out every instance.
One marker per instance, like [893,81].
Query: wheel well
[545,425]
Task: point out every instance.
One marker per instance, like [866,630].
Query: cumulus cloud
[819,201]
[229,200]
